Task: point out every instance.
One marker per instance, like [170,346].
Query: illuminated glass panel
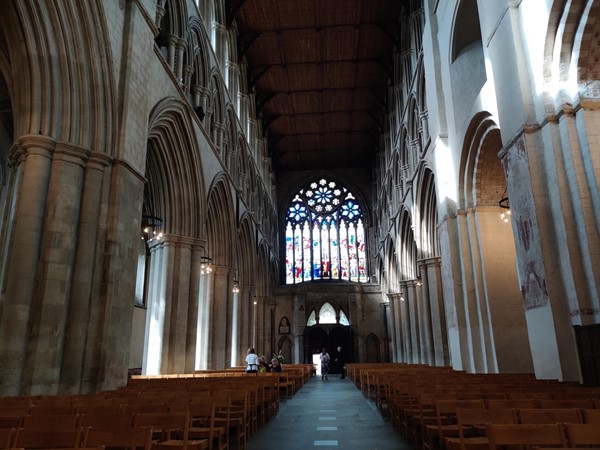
[327,314]
[289,251]
[312,319]
[325,236]
[343,319]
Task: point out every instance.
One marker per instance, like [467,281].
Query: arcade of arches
[135,148]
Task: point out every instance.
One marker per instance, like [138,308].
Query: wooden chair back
[169,425]
[591,415]
[11,422]
[6,437]
[525,436]
[127,437]
[48,410]
[508,403]
[27,438]
[583,434]
[565,404]
[547,415]
[106,421]
[51,422]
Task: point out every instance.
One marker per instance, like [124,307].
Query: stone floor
[330,413]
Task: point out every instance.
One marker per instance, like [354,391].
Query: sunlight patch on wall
[445,172]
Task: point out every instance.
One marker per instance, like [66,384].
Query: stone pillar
[188,71]
[84,288]
[218,350]
[549,325]
[235,327]
[181,44]
[387,341]
[49,306]
[205,312]
[194,305]
[432,279]
[458,343]
[33,162]
[407,333]
[119,273]
[412,301]
[161,255]
[261,306]
[398,344]
[393,330]
[220,32]
[426,334]
[180,300]
[298,325]
[172,42]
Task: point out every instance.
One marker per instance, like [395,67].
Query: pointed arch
[42,35]
[407,248]
[428,217]
[198,52]
[175,187]
[220,222]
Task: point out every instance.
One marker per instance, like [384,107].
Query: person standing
[339,359]
[324,364]
[251,361]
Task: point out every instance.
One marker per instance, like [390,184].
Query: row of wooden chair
[422,401]
[453,422]
[129,437]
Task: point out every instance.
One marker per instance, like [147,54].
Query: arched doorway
[329,336]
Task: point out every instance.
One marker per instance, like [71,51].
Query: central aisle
[330,413]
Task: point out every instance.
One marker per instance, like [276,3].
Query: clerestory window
[325,235]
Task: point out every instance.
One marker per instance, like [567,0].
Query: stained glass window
[327,314]
[324,235]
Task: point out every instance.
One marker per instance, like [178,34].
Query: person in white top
[251,361]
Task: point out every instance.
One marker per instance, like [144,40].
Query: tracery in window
[324,235]
[327,314]
[312,319]
[343,319]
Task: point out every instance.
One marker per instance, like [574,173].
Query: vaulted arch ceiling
[320,70]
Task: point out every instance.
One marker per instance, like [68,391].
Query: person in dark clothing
[339,359]
[275,366]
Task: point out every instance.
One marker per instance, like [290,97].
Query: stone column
[432,278]
[393,336]
[261,306]
[181,44]
[412,301]
[425,334]
[396,301]
[220,32]
[33,161]
[181,275]
[51,297]
[83,299]
[172,41]
[235,326]
[549,326]
[407,334]
[218,349]
[161,256]
[205,312]
[298,325]
[194,305]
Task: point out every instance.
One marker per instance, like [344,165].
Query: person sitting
[275,366]
[263,367]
